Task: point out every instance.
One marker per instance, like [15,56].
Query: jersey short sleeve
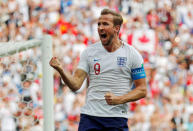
[83,63]
[137,69]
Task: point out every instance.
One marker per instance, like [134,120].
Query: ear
[117,28]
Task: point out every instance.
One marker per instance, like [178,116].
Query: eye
[105,23]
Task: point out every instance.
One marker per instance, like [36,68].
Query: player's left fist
[111,99]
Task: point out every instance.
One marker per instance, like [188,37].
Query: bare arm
[139,92]
[75,81]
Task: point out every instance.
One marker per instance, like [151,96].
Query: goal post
[45,44]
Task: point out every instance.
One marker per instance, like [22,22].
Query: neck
[114,45]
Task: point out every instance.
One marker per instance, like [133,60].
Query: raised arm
[74,81]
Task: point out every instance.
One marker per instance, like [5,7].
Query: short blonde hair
[117,18]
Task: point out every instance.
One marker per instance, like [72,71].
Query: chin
[105,43]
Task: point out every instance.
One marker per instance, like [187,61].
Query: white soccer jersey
[108,72]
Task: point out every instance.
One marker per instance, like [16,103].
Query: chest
[109,62]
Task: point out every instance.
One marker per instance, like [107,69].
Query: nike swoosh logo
[96,60]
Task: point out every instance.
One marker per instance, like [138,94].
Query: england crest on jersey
[121,61]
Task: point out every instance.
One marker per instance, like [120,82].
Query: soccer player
[113,67]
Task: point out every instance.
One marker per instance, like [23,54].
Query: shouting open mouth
[103,37]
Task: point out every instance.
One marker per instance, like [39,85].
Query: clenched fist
[55,63]
[111,99]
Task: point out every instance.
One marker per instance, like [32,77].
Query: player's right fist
[55,63]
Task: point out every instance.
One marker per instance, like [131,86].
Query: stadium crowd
[73,26]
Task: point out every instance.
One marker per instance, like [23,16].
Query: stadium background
[72,24]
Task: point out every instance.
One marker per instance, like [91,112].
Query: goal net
[26,85]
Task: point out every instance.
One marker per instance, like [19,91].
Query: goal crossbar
[10,48]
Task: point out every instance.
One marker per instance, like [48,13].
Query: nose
[100,27]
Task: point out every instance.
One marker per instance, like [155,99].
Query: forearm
[74,81]
[69,80]
[133,95]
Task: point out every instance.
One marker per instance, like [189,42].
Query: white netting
[21,91]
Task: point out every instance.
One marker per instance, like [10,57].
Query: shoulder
[130,48]
[93,48]
[132,53]
[134,56]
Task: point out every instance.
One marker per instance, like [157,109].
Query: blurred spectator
[189,124]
